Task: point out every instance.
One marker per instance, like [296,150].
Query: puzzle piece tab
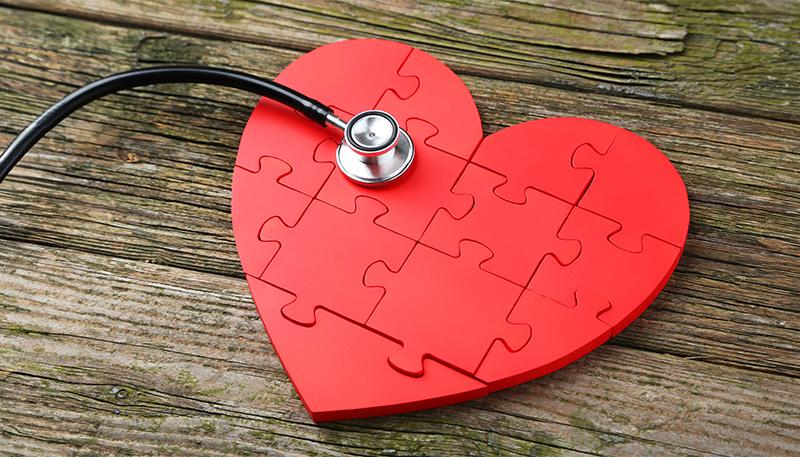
[323,258]
[414,200]
[262,197]
[626,279]
[519,235]
[560,336]
[339,368]
[432,295]
[546,162]
[637,186]
[458,124]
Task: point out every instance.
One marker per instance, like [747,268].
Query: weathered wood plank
[169,205]
[106,356]
[737,56]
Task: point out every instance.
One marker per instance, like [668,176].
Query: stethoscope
[374,149]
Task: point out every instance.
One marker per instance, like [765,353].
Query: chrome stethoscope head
[374,150]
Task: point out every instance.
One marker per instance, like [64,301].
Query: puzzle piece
[278,131]
[412,203]
[626,279]
[560,336]
[352,85]
[459,128]
[545,163]
[339,368]
[262,198]
[291,138]
[637,186]
[432,295]
[323,258]
[519,235]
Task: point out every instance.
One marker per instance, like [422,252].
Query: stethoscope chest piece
[374,150]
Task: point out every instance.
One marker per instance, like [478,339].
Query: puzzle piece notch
[441,99]
[414,200]
[445,308]
[560,336]
[330,274]
[339,368]
[636,185]
[538,155]
[600,267]
[519,244]
[257,196]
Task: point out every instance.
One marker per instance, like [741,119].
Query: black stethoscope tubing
[313,109]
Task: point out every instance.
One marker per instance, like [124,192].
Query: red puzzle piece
[339,368]
[519,235]
[263,197]
[434,294]
[538,154]
[636,185]
[560,336]
[323,258]
[629,280]
[281,132]
[458,122]
[413,201]
[336,75]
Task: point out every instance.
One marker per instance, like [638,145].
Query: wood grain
[114,356]
[125,326]
[737,56]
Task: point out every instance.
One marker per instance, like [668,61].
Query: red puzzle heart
[494,261]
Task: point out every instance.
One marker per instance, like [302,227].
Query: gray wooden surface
[126,327]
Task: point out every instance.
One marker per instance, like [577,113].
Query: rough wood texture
[125,326]
[734,55]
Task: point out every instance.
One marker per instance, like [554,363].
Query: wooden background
[126,327]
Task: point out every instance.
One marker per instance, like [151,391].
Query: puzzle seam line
[400,67]
[322,162]
[388,268]
[494,190]
[508,315]
[467,159]
[620,228]
[482,262]
[425,356]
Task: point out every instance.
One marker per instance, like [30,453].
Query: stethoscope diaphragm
[374,150]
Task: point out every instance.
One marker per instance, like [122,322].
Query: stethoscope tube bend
[313,109]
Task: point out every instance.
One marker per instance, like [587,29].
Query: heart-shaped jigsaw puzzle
[492,262]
